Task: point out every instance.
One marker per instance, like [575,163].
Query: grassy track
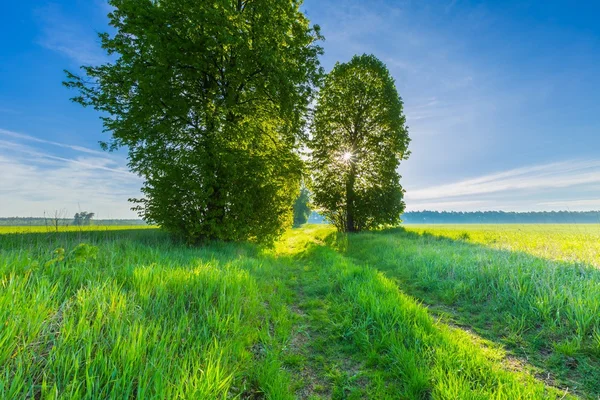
[127,313]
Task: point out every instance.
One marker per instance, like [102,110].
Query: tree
[210,99]
[59,216]
[77,219]
[359,138]
[301,207]
[83,218]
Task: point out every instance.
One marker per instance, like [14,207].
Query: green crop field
[442,312]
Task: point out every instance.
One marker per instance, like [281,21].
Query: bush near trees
[359,137]
[301,207]
[210,98]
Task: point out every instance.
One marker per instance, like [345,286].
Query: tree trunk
[350,225]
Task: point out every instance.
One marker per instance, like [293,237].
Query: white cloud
[446,205]
[34,181]
[555,175]
[588,204]
[517,189]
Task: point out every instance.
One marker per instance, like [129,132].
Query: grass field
[71,228]
[444,312]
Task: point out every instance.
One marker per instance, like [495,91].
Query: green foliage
[80,253]
[83,252]
[210,99]
[464,236]
[58,255]
[359,139]
[301,208]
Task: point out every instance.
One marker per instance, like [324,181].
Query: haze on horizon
[501,101]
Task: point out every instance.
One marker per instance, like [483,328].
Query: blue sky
[502,100]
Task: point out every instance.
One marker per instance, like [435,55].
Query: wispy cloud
[555,175]
[527,188]
[34,179]
[588,204]
[69,37]
[446,205]
[22,136]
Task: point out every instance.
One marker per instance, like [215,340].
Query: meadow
[442,312]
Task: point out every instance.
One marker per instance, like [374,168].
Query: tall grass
[130,313]
[543,309]
[133,320]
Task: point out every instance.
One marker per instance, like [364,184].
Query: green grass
[533,289]
[142,317]
[71,228]
[579,243]
[122,313]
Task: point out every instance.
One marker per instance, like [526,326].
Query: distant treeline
[40,221]
[490,217]
[413,217]
[501,217]
[316,218]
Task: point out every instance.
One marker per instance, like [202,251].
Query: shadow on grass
[390,344]
[543,310]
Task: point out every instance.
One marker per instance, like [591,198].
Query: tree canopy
[359,138]
[210,99]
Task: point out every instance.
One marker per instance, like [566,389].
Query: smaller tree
[301,207]
[83,218]
[59,216]
[359,138]
[87,218]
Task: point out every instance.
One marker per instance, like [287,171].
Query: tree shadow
[543,310]
[404,343]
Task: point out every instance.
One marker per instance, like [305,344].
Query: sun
[347,156]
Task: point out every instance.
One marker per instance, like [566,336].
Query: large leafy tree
[359,137]
[210,98]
